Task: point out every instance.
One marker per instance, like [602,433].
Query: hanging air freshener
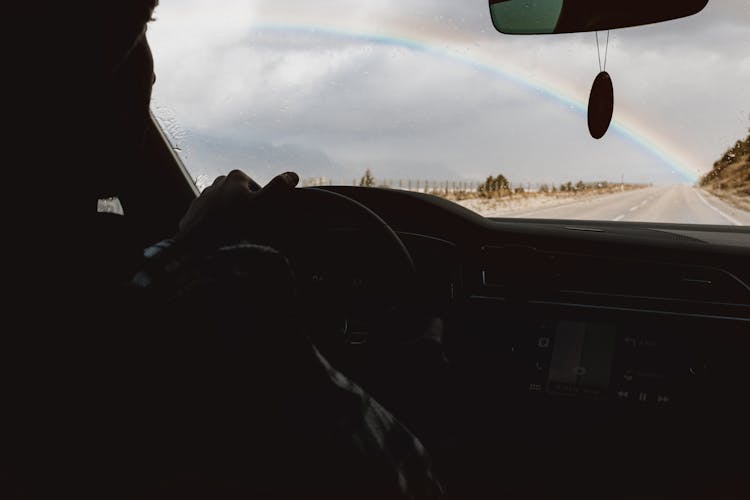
[601,105]
[601,98]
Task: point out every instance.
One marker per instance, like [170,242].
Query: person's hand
[221,213]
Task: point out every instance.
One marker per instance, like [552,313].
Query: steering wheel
[349,264]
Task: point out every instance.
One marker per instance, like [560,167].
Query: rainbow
[629,129]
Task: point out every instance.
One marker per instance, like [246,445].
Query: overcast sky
[427,89]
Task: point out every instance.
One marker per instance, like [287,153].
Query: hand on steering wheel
[347,261]
[220,214]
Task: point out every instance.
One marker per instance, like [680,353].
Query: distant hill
[730,177]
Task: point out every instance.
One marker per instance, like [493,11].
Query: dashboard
[640,360]
[606,360]
[594,355]
[612,313]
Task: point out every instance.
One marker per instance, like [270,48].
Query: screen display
[581,361]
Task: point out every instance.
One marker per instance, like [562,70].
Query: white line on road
[644,202]
[633,209]
[727,217]
[619,218]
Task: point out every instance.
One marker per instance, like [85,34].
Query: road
[677,204]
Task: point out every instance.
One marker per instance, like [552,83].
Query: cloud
[215,155]
[269,84]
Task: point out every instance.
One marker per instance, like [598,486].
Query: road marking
[633,209]
[727,217]
[619,218]
[644,202]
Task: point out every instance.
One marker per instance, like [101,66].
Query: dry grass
[730,177]
[512,197]
[520,203]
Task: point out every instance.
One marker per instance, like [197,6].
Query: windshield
[425,95]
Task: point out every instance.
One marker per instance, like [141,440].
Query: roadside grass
[505,204]
[730,177]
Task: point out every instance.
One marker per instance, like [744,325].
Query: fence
[416,185]
[467,187]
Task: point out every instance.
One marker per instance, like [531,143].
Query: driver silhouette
[197,379]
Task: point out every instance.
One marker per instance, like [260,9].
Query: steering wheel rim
[298,222]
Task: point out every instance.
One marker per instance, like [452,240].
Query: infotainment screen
[581,361]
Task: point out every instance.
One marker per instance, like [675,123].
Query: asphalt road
[677,204]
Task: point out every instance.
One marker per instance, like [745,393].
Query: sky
[428,89]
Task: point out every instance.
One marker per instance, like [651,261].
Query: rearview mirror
[530,17]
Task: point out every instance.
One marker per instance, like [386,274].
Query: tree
[502,183]
[485,188]
[494,185]
[367,180]
[580,186]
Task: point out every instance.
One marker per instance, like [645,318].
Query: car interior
[658,313]
[572,359]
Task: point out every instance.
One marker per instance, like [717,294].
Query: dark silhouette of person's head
[123,76]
